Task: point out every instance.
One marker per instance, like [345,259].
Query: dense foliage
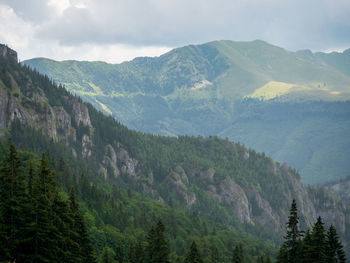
[37,223]
[315,246]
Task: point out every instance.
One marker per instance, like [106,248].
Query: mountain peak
[8,53]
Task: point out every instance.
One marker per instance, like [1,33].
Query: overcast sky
[118,30]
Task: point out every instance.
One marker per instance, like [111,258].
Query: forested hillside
[263,96]
[213,191]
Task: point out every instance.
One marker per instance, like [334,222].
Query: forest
[38,223]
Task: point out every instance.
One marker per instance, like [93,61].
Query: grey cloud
[34,11]
[75,25]
[296,24]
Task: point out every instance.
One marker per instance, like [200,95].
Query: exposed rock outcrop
[234,196]
[177,183]
[81,114]
[8,53]
[128,164]
[110,160]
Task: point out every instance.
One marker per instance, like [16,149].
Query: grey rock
[8,53]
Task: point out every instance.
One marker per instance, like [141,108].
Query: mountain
[208,189]
[291,105]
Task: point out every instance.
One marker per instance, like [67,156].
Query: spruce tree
[193,255]
[307,248]
[13,202]
[84,251]
[238,256]
[318,242]
[43,193]
[335,252]
[157,249]
[291,249]
[214,254]
[106,255]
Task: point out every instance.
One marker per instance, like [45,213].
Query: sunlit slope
[289,91]
[254,64]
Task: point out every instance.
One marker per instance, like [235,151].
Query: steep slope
[198,90]
[217,179]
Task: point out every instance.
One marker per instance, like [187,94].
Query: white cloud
[92,27]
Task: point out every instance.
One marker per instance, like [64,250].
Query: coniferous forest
[39,224]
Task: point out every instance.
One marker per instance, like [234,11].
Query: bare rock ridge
[7,52]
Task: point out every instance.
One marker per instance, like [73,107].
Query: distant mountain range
[291,105]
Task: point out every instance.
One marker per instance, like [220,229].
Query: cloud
[173,23]
[34,11]
[133,24]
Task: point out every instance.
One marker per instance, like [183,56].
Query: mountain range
[293,106]
[211,190]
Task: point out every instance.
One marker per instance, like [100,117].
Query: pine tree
[335,252]
[238,256]
[13,202]
[193,255]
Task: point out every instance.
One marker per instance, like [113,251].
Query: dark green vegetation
[36,223]
[208,190]
[198,90]
[315,246]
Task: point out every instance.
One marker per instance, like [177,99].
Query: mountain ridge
[202,89]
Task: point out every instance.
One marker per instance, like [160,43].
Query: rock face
[234,196]
[8,53]
[30,107]
[81,114]
[342,189]
[3,110]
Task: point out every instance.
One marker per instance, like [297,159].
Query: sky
[119,30]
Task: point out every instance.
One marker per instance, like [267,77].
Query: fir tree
[193,255]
